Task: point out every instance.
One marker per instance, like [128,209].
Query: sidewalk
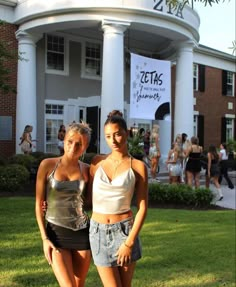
[229,200]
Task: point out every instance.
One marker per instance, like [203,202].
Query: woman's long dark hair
[213,151]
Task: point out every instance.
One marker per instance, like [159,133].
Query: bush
[13,177]
[22,159]
[180,195]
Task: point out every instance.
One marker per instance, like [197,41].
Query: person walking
[223,166]
[193,165]
[154,153]
[26,142]
[60,138]
[64,228]
[213,171]
[114,230]
[174,163]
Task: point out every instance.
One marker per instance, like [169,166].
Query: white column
[26,111]
[112,96]
[183,116]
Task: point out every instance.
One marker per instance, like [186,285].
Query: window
[56,54]
[5,128]
[229,129]
[227,83]
[195,77]
[54,117]
[92,60]
[54,109]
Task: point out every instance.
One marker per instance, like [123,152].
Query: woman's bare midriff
[111,218]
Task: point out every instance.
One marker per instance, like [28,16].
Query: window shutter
[224,82]
[200,130]
[201,78]
[223,129]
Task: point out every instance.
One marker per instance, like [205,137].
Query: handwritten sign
[149,86]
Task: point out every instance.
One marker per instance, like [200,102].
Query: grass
[181,248]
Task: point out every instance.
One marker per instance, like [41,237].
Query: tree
[6,55]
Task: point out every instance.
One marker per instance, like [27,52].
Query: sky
[217,27]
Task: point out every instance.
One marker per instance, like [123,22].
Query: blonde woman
[64,229]
[154,152]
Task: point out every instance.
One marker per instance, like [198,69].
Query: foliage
[6,55]
[23,159]
[231,145]
[179,195]
[13,177]
[180,248]
[135,145]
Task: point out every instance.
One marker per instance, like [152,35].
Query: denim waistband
[113,226]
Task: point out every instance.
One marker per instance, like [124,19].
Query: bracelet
[46,238]
[126,245]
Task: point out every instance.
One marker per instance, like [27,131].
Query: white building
[76,63]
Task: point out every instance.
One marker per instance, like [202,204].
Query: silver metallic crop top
[113,197]
[65,203]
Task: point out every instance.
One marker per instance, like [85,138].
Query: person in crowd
[213,170]
[174,164]
[60,137]
[185,144]
[26,142]
[146,141]
[154,153]
[193,165]
[64,227]
[114,230]
[223,166]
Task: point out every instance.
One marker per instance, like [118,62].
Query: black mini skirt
[68,239]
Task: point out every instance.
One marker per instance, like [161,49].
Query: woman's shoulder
[138,165]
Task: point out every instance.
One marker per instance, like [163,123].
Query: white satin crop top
[113,197]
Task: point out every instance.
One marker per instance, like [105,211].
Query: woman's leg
[117,276]
[218,188]
[197,179]
[110,276]
[64,267]
[189,178]
[81,262]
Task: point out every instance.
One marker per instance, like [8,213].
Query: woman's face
[75,144]
[115,136]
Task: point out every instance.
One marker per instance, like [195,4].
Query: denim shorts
[105,240]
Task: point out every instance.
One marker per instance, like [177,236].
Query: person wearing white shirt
[224,168]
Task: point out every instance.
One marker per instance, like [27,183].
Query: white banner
[149,87]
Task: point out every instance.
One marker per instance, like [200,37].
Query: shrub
[13,177]
[26,160]
[180,195]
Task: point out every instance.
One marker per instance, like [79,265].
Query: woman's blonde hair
[80,127]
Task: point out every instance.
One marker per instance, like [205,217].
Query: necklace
[117,163]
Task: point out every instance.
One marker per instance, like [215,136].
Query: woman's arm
[40,198]
[208,164]
[141,190]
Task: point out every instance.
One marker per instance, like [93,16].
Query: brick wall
[8,101]
[213,106]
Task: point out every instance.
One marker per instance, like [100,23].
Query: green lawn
[181,248]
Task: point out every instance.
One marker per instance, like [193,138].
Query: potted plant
[135,146]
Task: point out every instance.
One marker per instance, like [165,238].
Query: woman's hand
[124,255]
[47,249]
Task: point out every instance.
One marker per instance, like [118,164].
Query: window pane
[55,53]
[93,59]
